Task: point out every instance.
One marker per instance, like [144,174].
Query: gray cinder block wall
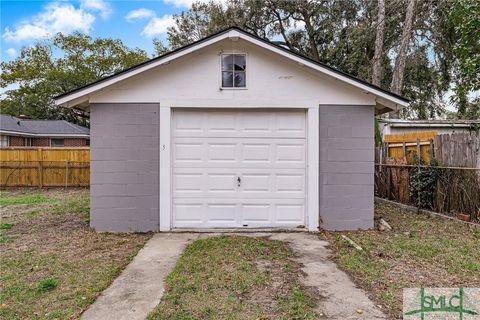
[346,167]
[124,164]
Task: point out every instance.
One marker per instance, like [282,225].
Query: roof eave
[44,135]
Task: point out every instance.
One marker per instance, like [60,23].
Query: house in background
[398,126]
[231,131]
[17,132]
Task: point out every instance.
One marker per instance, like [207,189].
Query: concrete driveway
[140,286]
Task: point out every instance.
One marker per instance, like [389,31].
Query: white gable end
[193,72]
[195,80]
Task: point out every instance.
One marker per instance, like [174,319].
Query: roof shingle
[44,127]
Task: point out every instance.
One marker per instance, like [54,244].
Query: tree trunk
[379,39]
[315,55]
[400,61]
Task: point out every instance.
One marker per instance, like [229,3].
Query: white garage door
[237,169]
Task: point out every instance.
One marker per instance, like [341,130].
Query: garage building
[231,131]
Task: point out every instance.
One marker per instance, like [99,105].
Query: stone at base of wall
[424,211]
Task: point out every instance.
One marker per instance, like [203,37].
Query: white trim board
[165,169]
[44,135]
[81,95]
[313,170]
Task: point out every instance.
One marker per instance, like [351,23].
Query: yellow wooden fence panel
[44,167]
[404,145]
[410,136]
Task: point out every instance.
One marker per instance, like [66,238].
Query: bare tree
[379,39]
[400,61]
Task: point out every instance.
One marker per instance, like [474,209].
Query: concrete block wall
[124,166]
[346,167]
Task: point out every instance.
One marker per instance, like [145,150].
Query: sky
[135,22]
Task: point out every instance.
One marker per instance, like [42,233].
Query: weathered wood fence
[409,145]
[457,149]
[451,186]
[44,167]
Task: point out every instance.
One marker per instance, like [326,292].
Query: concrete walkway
[140,286]
[340,298]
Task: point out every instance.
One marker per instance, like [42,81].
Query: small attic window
[234,68]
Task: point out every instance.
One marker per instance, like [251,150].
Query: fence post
[432,153]
[40,167]
[66,174]
[419,152]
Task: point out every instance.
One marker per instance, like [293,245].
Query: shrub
[423,182]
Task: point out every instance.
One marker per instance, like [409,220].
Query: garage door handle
[239,181]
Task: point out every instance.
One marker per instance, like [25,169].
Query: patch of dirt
[279,285]
[59,246]
[283,276]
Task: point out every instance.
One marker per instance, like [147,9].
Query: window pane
[3,141]
[240,79]
[227,79]
[227,62]
[240,62]
[57,142]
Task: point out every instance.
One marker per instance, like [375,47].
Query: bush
[423,184]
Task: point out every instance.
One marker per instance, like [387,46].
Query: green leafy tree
[56,66]
[429,46]
[465,20]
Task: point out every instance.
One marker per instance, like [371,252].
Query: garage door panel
[256,153]
[239,153]
[257,212]
[220,123]
[257,123]
[190,182]
[230,213]
[221,152]
[255,183]
[188,123]
[190,212]
[266,150]
[188,152]
[290,182]
[221,212]
[290,153]
[290,124]
[220,182]
[290,213]
[229,123]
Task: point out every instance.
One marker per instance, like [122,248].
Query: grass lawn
[235,277]
[420,251]
[52,265]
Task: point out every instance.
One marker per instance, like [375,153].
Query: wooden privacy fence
[454,150]
[409,145]
[44,167]
[450,185]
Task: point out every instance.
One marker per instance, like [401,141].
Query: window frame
[51,142]
[226,53]
[27,142]
[5,138]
